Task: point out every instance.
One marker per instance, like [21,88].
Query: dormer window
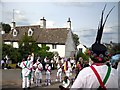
[30,32]
[15,32]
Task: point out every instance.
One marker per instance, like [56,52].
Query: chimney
[13,25]
[43,23]
[68,24]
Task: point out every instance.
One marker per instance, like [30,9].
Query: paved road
[11,79]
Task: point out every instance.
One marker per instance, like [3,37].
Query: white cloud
[19,16]
[49,24]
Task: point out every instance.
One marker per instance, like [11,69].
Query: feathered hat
[98,52]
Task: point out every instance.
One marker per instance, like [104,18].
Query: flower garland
[101,58]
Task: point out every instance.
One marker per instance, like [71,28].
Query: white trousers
[38,76]
[32,77]
[59,74]
[67,73]
[48,77]
[25,82]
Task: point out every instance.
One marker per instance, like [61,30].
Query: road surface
[11,79]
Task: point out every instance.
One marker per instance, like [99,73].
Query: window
[30,32]
[54,46]
[43,45]
[14,32]
[80,49]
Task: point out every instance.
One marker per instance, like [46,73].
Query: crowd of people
[84,70]
[32,70]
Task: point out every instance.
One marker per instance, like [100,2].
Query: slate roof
[47,36]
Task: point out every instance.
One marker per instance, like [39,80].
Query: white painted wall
[15,45]
[60,49]
[8,43]
[81,46]
[39,45]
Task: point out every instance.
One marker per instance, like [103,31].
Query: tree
[27,45]
[115,49]
[76,39]
[11,52]
[83,55]
[6,27]
[44,51]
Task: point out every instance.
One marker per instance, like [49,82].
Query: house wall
[8,43]
[60,49]
[15,45]
[69,45]
[80,46]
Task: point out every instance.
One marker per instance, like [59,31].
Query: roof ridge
[28,26]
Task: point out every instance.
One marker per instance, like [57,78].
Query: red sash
[48,69]
[39,69]
[98,77]
[25,65]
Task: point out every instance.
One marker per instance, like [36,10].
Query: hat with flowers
[99,52]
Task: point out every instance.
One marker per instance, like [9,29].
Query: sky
[85,16]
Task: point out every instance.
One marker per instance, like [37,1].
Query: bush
[13,66]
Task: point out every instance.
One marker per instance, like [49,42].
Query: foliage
[6,27]
[115,49]
[83,55]
[12,53]
[12,66]
[43,52]
[76,39]
[27,45]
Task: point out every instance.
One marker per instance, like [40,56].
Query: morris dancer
[59,72]
[67,67]
[98,75]
[48,71]
[38,72]
[25,65]
[31,57]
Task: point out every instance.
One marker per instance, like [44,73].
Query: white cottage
[58,39]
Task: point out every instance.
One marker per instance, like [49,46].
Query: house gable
[69,45]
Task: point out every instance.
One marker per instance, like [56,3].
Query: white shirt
[48,68]
[25,68]
[66,85]
[87,79]
[38,66]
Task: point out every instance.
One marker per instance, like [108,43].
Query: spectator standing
[2,64]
